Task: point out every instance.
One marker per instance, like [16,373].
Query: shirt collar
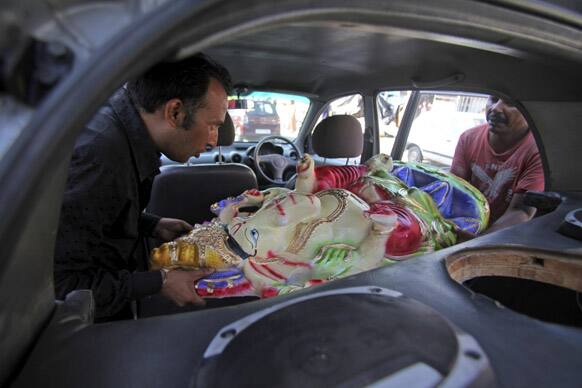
[145,154]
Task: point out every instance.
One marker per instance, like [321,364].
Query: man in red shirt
[502,160]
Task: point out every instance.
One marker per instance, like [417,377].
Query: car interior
[502,309]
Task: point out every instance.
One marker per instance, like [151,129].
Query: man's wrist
[145,283]
[148,222]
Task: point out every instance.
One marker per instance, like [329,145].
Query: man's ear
[174,113]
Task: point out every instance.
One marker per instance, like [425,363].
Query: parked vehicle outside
[391,105]
[258,120]
[268,114]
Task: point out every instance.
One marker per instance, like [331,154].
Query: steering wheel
[276,163]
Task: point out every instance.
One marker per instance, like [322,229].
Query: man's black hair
[187,80]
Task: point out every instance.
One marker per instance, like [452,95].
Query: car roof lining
[352,59]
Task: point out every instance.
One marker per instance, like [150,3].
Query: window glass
[391,106]
[348,105]
[439,120]
[267,114]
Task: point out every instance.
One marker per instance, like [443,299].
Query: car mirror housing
[237,104]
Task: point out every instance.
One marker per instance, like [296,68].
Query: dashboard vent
[236,158]
[219,158]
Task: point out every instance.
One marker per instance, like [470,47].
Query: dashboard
[239,153]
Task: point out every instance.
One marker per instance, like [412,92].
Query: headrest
[338,137]
[226,132]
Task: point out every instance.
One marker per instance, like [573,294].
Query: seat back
[186,192]
[338,136]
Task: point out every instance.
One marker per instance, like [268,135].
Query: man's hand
[168,229]
[179,286]
[516,213]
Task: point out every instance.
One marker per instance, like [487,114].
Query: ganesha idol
[339,221]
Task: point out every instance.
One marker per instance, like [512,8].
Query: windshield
[268,114]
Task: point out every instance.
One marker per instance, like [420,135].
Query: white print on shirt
[493,186]
[493,166]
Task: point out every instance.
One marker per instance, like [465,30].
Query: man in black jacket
[175,108]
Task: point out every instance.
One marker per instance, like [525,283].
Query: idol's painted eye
[254,236]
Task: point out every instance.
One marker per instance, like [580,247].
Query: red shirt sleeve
[532,176]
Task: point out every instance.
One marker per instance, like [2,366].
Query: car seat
[338,136]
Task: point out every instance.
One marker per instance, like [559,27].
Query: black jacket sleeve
[95,202]
[147,223]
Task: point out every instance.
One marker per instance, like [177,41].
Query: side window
[390,106]
[347,105]
[439,119]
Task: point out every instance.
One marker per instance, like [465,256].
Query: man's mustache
[497,118]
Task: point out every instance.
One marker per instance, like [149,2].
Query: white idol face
[272,226]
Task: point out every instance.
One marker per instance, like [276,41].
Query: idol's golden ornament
[204,247]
